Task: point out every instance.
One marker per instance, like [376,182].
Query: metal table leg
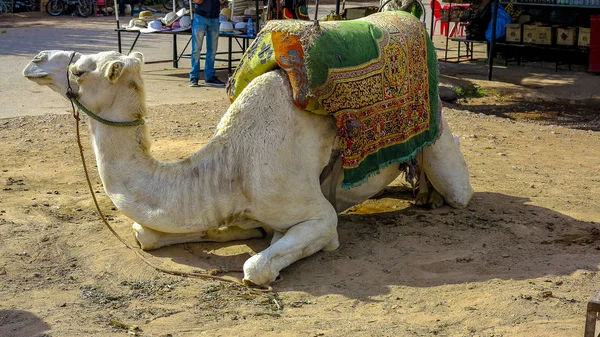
[175,59]
[229,47]
[134,42]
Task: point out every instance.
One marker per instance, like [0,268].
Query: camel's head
[101,81]
[49,68]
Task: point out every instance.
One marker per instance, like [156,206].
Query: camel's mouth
[36,74]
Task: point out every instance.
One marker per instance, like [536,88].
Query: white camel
[261,168]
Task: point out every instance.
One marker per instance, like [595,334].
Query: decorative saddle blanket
[377,76]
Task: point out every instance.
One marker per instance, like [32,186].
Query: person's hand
[222,2]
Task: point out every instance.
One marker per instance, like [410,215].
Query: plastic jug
[250,27]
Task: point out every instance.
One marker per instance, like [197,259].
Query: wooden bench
[593,308]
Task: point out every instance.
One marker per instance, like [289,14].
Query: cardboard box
[544,35]
[514,33]
[584,37]
[566,36]
[524,18]
[529,33]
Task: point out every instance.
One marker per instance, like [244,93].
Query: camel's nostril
[40,57]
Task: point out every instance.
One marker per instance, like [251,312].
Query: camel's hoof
[249,283]
[436,200]
[422,199]
[258,271]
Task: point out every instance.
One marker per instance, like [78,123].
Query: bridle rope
[208,274]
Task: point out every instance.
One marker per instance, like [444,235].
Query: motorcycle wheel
[84,8]
[55,7]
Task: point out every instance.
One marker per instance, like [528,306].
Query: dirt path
[521,260]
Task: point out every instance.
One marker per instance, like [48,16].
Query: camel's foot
[436,200]
[422,199]
[149,239]
[432,199]
[259,270]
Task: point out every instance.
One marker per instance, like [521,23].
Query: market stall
[232,54]
[560,31]
[554,30]
[169,24]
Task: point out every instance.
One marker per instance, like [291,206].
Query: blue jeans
[202,26]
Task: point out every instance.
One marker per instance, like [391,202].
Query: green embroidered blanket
[377,76]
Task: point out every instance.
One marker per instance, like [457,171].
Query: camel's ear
[138,56]
[114,70]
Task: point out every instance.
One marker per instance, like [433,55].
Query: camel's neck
[192,194]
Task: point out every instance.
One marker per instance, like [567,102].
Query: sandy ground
[520,260]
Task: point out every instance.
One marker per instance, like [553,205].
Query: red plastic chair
[459,27]
[436,7]
[100,7]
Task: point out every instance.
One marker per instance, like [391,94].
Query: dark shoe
[214,82]
[194,82]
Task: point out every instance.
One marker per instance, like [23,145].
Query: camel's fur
[261,168]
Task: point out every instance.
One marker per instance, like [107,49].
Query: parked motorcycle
[168,4]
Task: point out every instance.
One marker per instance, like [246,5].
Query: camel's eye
[77,73]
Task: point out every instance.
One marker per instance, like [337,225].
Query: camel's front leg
[150,239]
[301,240]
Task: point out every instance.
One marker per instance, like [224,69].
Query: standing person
[206,22]
[122,4]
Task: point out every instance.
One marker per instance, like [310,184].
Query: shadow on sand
[18,323]
[497,237]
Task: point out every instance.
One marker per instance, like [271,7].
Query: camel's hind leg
[427,195]
[150,239]
[447,170]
